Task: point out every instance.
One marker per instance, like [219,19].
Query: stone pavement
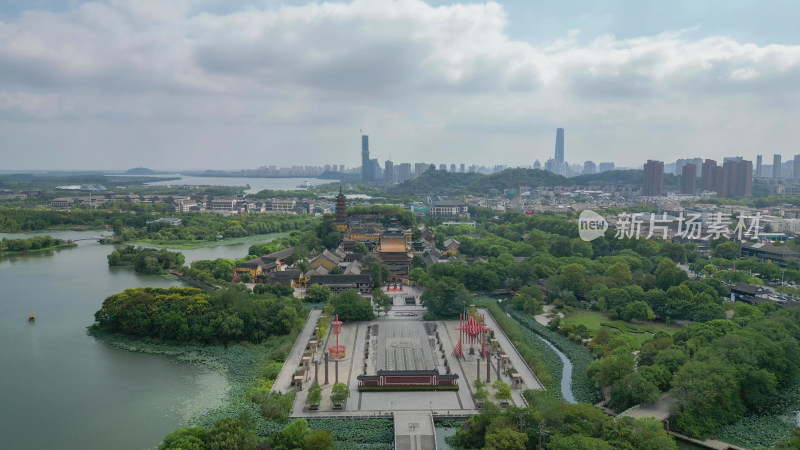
[414,431]
[283,382]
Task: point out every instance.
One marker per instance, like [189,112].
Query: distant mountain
[434,181]
[633,177]
[140,171]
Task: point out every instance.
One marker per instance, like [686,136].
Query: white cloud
[430,83]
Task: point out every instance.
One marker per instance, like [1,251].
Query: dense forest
[32,244]
[146,260]
[193,315]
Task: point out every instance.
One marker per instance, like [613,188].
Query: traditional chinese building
[394,249]
[341,211]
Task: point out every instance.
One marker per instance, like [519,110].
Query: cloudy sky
[230,85]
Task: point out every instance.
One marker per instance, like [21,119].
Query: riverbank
[192,245]
[40,250]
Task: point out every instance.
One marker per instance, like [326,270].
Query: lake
[256,184]
[59,387]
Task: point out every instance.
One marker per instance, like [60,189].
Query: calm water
[59,387]
[256,184]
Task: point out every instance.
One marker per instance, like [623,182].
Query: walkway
[414,431]
[283,382]
[528,377]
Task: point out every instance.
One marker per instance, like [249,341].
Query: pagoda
[341,211]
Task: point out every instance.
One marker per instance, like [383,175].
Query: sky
[221,84]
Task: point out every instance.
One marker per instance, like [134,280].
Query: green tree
[709,395]
[574,278]
[318,294]
[361,248]
[633,389]
[618,275]
[339,393]
[292,436]
[606,371]
[502,390]
[314,394]
[319,440]
[350,306]
[668,274]
[506,439]
[382,301]
[445,298]
[189,438]
[638,310]
[726,250]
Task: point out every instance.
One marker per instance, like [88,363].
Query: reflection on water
[60,387]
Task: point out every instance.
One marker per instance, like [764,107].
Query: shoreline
[39,250]
[194,245]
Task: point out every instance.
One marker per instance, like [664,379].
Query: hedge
[543,361]
[582,388]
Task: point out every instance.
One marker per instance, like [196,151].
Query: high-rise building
[419,169]
[403,172]
[559,146]
[605,167]
[758,166]
[776,166]
[366,166]
[709,174]
[589,167]
[375,171]
[537,164]
[463,168]
[453,168]
[388,172]
[443,167]
[698,162]
[653,185]
[688,179]
[738,178]
[796,168]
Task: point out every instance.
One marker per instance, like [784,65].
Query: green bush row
[525,344]
[582,388]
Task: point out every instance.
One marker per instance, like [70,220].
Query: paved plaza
[400,341]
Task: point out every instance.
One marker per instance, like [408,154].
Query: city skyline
[211,84]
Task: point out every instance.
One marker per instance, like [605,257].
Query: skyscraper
[776,166]
[738,179]
[403,172]
[559,147]
[452,168]
[688,179]
[442,167]
[388,172]
[653,185]
[589,167]
[758,166]
[366,166]
[419,169]
[796,168]
[462,168]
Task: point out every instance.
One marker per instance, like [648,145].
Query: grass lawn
[594,320]
[190,245]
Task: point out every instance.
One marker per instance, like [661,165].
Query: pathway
[414,431]
[283,382]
